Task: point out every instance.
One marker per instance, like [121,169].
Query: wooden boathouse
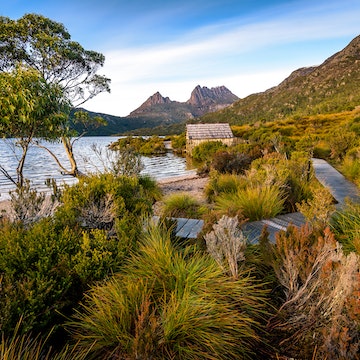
[198,133]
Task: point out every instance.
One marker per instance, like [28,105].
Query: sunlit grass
[223,183]
[182,205]
[346,225]
[252,203]
[168,304]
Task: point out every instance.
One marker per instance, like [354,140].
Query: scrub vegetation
[88,275]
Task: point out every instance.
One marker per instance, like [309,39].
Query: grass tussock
[182,205]
[167,304]
[253,203]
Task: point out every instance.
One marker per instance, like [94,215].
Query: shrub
[318,209]
[233,163]
[96,201]
[226,244]
[206,150]
[45,268]
[253,203]
[166,304]
[150,146]
[178,143]
[321,288]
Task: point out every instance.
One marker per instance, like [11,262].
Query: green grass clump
[253,203]
[182,205]
[350,168]
[223,183]
[168,304]
[346,225]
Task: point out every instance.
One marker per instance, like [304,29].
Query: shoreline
[192,184]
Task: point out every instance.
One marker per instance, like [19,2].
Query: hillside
[158,110]
[328,88]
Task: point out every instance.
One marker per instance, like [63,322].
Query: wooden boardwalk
[186,228]
[339,187]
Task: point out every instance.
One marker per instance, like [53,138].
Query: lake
[40,165]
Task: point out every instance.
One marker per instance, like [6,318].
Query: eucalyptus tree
[29,107]
[46,46]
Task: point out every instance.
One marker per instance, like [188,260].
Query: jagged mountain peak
[155,99]
[202,96]
[202,100]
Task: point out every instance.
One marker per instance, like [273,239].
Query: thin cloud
[218,52]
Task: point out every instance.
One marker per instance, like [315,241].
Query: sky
[171,46]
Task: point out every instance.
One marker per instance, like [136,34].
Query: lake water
[40,165]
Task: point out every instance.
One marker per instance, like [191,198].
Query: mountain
[330,87]
[158,110]
[202,100]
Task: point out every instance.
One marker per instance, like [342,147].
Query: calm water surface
[40,165]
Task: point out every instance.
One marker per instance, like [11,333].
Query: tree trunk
[20,168]
[70,154]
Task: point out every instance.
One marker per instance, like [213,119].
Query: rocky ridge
[202,101]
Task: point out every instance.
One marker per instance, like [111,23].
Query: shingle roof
[209,131]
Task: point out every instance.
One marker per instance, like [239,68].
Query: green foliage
[46,266]
[350,168]
[29,107]
[153,145]
[206,150]
[226,162]
[318,209]
[167,304]
[45,270]
[96,201]
[252,203]
[223,183]
[66,77]
[37,274]
[182,205]
[346,225]
[65,62]
[178,143]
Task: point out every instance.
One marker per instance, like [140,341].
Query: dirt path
[192,185]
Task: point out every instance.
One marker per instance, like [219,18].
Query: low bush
[232,163]
[319,318]
[96,201]
[45,266]
[206,150]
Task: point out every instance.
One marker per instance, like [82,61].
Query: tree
[29,107]
[46,46]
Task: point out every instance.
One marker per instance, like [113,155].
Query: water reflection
[40,165]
